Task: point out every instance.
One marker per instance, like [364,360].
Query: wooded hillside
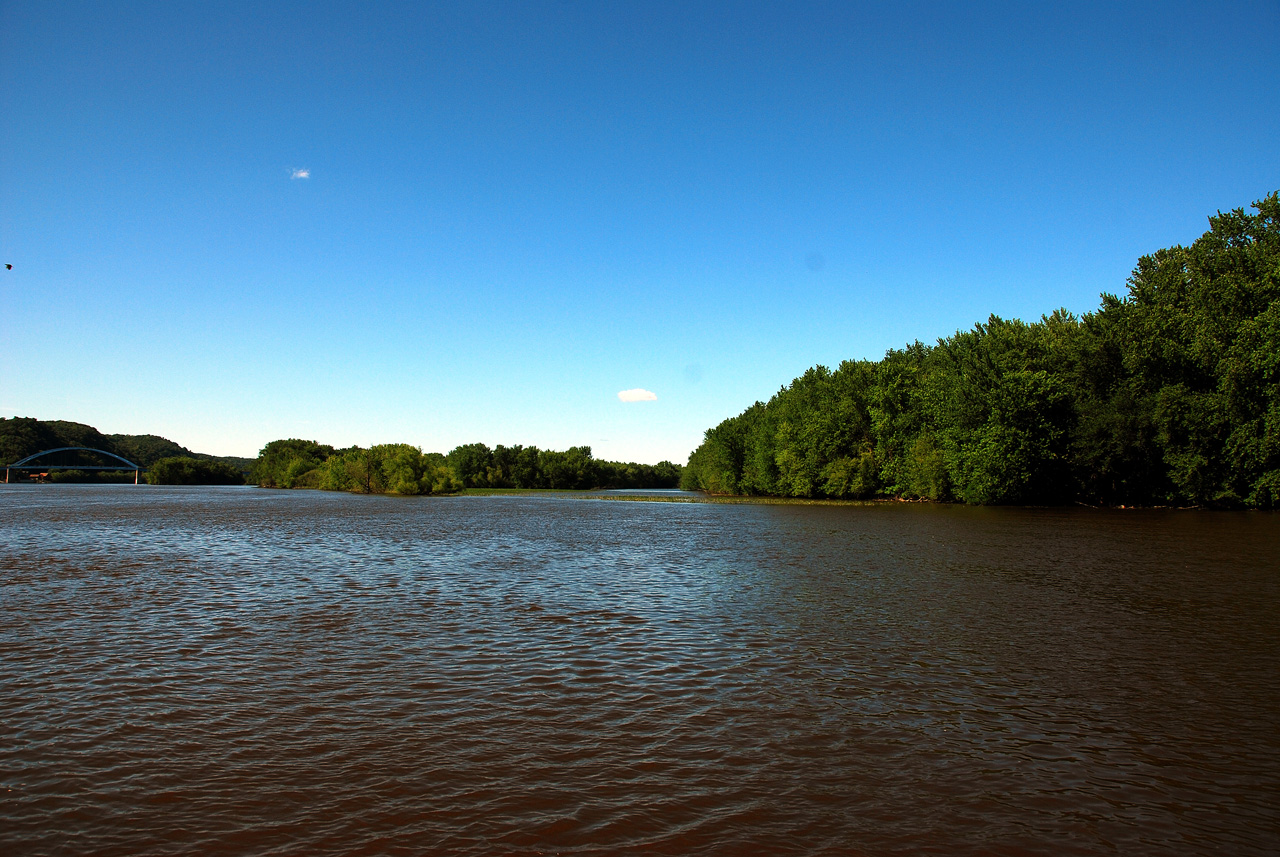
[23,436]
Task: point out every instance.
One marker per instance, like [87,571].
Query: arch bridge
[24,464]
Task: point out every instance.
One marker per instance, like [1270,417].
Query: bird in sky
[7,265]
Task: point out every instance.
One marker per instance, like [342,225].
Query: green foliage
[147,449]
[402,469]
[717,465]
[851,477]
[282,463]
[471,464]
[474,465]
[393,468]
[24,436]
[617,474]
[295,463]
[1169,395]
[573,468]
[117,477]
[924,472]
[184,470]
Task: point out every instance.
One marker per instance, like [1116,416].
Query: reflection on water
[240,670]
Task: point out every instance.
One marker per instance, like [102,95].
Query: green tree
[1169,394]
[1197,336]
[471,463]
[281,463]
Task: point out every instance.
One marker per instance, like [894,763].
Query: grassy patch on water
[597,494]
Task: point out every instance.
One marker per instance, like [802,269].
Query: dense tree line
[390,468]
[477,466]
[282,463]
[1168,395]
[404,469]
[24,436]
[184,470]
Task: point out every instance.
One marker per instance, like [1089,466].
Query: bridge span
[25,464]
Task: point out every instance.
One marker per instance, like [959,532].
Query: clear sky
[456,222]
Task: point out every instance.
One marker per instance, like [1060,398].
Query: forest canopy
[1169,395]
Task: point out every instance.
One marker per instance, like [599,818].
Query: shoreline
[688,497]
[761,500]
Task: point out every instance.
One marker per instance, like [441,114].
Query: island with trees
[399,468]
[1169,395]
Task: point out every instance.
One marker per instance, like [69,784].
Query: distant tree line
[392,468]
[477,466]
[404,469]
[184,470]
[1169,395]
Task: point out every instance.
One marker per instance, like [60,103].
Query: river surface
[236,670]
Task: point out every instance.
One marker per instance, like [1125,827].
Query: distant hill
[23,436]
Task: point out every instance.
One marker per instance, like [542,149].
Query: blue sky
[514,211]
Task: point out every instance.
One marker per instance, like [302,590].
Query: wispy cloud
[637,395]
[300,173]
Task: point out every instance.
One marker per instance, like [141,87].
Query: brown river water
[235,670]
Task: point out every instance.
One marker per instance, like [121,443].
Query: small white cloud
[637,395]
[301,173]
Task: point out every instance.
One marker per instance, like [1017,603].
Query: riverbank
[673,495]
[686,496]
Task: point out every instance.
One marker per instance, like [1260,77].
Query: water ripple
[235,670]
